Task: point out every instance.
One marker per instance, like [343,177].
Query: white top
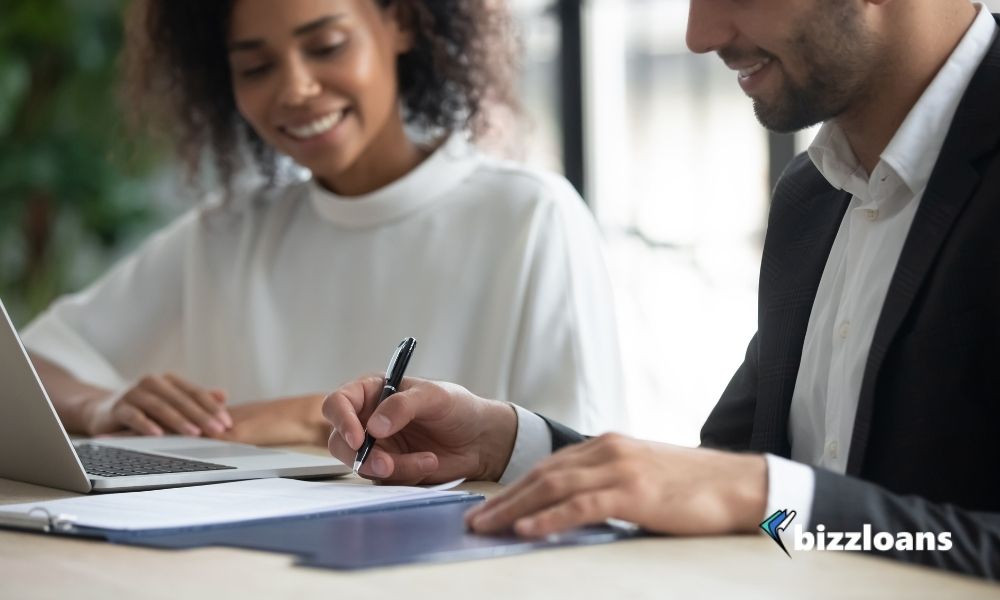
[860,267]
[495,269]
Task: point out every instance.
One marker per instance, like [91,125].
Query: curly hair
[176,76]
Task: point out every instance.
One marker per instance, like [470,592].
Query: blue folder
[433,532]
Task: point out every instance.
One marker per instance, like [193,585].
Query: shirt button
[832,449]
[871,214]
[844,330]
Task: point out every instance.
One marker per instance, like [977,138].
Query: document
[222,503]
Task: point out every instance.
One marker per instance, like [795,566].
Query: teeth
[317,127]
[747,72]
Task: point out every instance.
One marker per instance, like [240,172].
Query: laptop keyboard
[106,461]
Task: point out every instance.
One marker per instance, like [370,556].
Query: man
[879,312]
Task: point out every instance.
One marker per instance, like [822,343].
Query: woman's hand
[427,433]
[158,404]
[282,422]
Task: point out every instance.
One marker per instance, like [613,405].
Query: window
[541,35]
[677,174]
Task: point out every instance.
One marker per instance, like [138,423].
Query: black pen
[393,377]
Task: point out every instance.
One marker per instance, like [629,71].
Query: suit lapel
[798,244]
[974,132]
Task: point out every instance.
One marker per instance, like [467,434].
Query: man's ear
[403,18]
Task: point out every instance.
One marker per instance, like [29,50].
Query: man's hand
[426,433]
[158,404]
[281,422]
[661,488]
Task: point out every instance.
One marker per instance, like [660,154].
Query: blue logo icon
[775,524]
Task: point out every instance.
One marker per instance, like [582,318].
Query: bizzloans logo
[851,541]
[775,524]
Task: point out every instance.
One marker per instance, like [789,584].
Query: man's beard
[799,107]
[837,55]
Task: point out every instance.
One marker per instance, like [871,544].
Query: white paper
[221,503]
[444,486]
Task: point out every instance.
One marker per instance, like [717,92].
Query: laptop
[34,447]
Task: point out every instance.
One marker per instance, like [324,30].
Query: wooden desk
[33,565]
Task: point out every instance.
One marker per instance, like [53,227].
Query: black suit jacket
[925,451]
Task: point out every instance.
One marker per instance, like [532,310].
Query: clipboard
[426,532]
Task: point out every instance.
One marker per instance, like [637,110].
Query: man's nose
[299,84]
[710,26]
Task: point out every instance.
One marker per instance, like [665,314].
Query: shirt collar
[916,146]
[448,166]
[831,153]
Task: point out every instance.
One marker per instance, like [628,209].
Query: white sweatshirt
[495,269]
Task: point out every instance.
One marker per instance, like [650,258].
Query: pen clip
[397,364]
[393,360]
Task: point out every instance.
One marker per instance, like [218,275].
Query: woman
[230,322]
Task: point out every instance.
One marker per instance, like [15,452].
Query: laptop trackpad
[221,451]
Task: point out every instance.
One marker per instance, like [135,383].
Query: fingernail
[380,468]
[192,430]
[227,421]
[215,426]
[525,526]
[427,464]
[351,441]
[379,425]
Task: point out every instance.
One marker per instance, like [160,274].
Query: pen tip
[357,466]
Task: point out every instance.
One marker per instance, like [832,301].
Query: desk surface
[33,565]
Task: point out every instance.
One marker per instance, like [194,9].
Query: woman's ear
[403,21]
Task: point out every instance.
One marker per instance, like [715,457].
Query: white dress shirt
[857,273]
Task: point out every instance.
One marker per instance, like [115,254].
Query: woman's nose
[299,83]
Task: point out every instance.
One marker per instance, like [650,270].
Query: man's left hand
[661,488]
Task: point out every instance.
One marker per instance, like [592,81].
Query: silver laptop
[34,446]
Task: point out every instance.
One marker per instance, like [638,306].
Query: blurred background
[662,144]
[74,189]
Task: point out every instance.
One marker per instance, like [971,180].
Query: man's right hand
[428,432]
[159,404]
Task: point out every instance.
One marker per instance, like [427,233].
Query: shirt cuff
[790,486]
[532,443]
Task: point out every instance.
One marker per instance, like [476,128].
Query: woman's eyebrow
[254,44]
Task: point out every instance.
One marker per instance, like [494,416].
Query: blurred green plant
[71,180]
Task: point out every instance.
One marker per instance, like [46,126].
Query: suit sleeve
[843,503]
[730,424]
[563,436]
